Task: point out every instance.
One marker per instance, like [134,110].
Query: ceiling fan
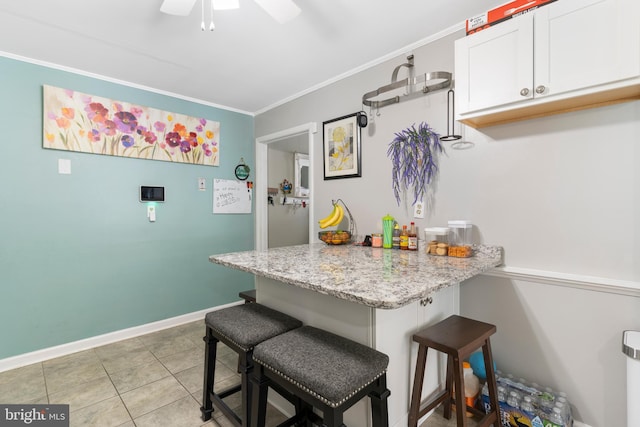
[280,10]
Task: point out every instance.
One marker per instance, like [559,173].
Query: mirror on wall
[301,172]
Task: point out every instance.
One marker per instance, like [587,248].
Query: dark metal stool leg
[210,350]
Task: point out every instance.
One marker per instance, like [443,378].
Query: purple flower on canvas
[125,121]
[159,126]
[185,147]
[127,141]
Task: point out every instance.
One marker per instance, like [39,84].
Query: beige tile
[129,379]
[70,360]
[183,360]
[23,385]
[120,362]
[150,397]
[192,379]
[107,413]
[62,375]
[181,413]
[118,348]
[166,345]
[229,358]
[83,395]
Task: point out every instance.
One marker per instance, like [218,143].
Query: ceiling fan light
[280,10]
[226,4]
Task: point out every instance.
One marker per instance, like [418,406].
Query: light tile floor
[154,380]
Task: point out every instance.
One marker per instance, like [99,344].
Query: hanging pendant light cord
[211,24]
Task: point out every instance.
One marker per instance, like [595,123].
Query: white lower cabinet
[567,55]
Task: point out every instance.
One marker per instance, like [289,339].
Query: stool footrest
[426,407]
[231,390]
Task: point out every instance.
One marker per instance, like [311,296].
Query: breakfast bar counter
[375,296]
[375,277]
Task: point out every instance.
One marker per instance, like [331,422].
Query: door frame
[261,187]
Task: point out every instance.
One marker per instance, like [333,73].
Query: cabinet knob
[524,92]
[540,89]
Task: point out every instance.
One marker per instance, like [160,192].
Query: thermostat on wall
[151,194]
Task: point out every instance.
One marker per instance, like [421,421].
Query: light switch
[202,184]
[64,166]
[151,213]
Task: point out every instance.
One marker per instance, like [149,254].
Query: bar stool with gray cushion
[328,372]
[241,328]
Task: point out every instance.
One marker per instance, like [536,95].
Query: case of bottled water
[524,404]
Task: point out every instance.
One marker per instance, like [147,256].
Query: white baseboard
[99,340]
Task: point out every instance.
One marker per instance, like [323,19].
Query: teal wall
[78,256]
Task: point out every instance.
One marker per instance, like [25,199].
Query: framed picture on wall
[341,147]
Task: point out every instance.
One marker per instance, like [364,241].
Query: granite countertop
[376,277]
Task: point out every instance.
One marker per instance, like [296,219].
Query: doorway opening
[262,178]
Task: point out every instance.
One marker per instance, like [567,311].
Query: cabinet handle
[540,89]
[426,301]
[524,92]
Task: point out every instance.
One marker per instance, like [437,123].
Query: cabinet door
[584,43]
[494,67]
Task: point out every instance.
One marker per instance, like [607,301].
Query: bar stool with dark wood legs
[241,328]
[457,337]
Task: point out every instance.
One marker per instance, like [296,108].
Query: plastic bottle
[404,238]
[396,236]
[471,386]
[413,238]
[529,411]
[555,419]
[513,399]
[387,231]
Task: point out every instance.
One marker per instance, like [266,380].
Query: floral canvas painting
[76,121]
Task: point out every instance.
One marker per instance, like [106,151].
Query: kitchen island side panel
[389,331]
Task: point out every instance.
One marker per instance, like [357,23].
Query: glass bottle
[396,237]
[413,238]
[404,238]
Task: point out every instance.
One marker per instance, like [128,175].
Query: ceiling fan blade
[177,7]
[280,10]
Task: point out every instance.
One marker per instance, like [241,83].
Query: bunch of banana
[334,218]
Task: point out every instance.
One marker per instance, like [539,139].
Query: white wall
[560,194]
[288,225]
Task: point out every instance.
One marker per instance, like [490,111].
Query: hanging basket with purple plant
[414,154]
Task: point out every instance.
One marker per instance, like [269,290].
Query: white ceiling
[249,63]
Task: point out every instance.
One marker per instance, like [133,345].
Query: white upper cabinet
[568,55]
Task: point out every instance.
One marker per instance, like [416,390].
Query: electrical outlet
[418,209]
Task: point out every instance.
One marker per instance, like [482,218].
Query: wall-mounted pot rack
[430,82]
